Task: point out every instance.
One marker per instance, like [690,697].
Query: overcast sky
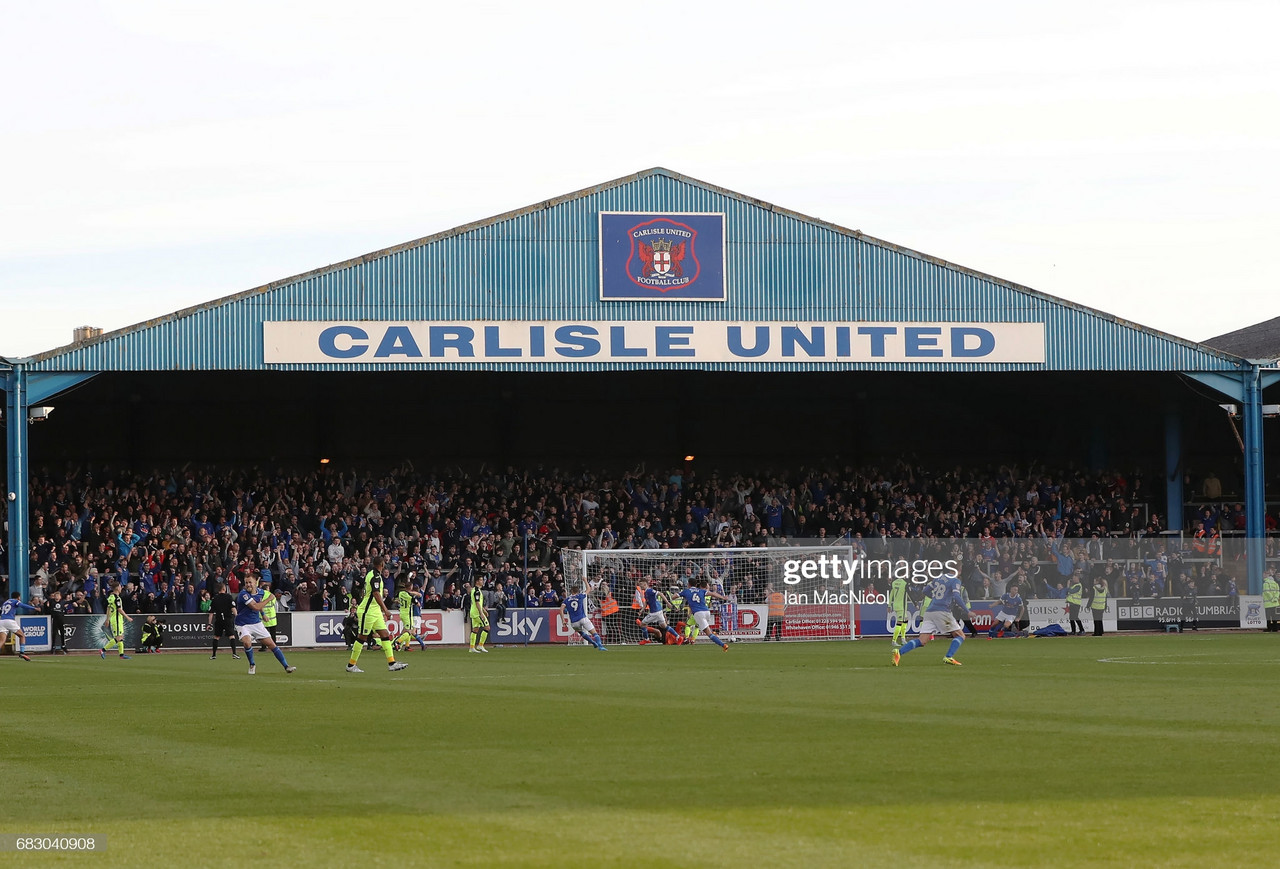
[1123,155]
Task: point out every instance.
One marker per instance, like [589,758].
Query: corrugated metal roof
[541,263]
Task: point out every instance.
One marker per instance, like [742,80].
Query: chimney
[84,333]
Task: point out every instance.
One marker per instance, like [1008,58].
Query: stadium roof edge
[586,191]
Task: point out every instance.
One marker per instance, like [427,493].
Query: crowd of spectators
[171,536]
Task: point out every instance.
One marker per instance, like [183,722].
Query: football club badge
[664,257]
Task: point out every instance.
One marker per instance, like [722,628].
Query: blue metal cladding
[541,263]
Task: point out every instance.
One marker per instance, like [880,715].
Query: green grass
[1036,752]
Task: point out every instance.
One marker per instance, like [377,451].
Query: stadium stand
[171,535]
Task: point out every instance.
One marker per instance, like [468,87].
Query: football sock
[472,640]
[388,651]
[356,648]
[280,657]
[955,646]
[716,640]
[249,652]
[909,645]
[484,636]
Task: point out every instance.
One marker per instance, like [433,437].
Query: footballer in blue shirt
[574,609]
[249,627]
[655,618]
[937,618]
[695,597]
[9,622]
[1007,614]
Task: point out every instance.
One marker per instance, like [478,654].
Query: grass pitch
[1120,751]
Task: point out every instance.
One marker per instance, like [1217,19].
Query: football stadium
[384,564]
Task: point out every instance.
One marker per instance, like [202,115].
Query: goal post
[775,593]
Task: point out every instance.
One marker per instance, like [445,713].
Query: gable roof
[539,262]
[1259,341]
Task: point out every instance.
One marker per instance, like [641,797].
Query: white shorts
[584,627]
[703,620]
[1006,618]
[255,631]
[659,618]
[8,626]
[934,622]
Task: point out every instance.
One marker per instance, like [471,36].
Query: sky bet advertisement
[668,257]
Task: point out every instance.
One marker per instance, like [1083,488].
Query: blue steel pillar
[1255,498]
[15,428]
[1174,496]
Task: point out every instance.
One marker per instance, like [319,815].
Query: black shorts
[221,627]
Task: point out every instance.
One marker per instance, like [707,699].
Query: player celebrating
[249,605]
[901,614]
[655,619]
[1008,613]
[479,615]
[372,615]
[937,618]
[695,597]
[406,601]
[574,609]
[9,622]
[116,617]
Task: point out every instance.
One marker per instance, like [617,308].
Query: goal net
[775,593]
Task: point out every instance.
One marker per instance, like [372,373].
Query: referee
[221,618]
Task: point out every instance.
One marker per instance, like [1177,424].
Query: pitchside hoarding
[38,632]
[1147,614]
[874,620]
[181,631]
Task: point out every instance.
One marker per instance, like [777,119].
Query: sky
[157,155]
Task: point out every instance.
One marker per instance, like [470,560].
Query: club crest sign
[662,257]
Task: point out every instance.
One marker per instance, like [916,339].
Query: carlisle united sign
[648,342]
[671,257]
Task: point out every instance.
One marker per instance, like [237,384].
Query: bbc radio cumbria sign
[644,341]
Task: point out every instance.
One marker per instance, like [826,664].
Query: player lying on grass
[574,609]
[937,618]
[655,619]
